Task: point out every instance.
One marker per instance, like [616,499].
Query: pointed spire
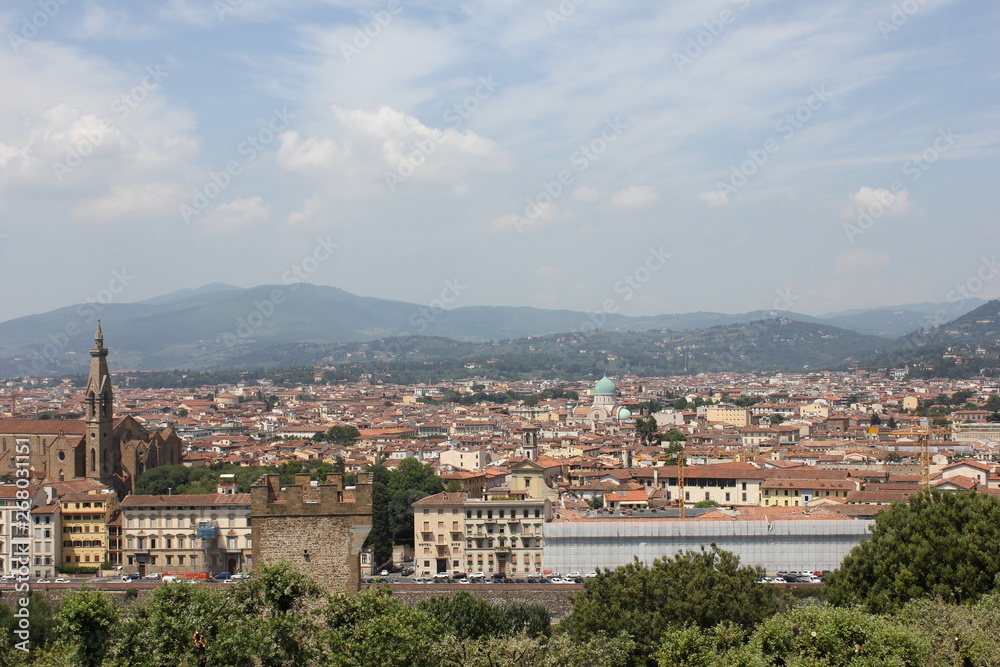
[99,335]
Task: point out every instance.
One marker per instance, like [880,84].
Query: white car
[477,575]
[591,574]
[574,575]
[62,580]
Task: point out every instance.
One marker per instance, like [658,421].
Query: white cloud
[714,198]
[390,149]
[635,196]
[316,212]
[520,222]
[876,202]
[238,213]
[99,22]
[128,201]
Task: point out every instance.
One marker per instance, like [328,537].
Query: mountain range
[218,325]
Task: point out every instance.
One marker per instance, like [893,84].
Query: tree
[371,629]
[85,620]
[699,588]
[892,423]
[875,420]
[706,503]
[830,637]
[945,546]
[647,430]
[467,616]
[993,403]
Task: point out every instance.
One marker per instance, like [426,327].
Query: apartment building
[191,533]
[501,534]
[85,518]
[16,505]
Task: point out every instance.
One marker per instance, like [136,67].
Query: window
[706,495]
[180,560]
[727,496]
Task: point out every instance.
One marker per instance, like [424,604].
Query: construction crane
[924,433]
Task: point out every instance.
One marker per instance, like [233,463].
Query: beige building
[791,492]
[85,518]
[503,534]
[194,533]
[728,414]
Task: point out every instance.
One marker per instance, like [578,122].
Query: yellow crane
[924,433]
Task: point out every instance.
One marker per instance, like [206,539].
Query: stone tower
[319,529]
[98,452]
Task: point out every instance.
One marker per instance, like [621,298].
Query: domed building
[605,407]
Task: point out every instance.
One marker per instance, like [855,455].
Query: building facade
[85,518]
[498,535]
[195,533]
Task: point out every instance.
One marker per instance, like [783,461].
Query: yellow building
[800,492]
[85,518]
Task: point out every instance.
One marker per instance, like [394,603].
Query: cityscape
[393,332]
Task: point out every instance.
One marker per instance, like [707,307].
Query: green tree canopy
[647,430]
[940,545]
[699,588]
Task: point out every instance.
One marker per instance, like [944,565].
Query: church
[98,447]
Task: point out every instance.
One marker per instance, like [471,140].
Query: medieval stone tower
[319,529]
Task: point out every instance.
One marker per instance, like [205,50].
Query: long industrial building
[778,539]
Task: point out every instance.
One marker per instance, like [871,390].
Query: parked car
[574,575]
[170,578]
[7,578]
[61,580]
[131,577]
[152,575]
[223,575]
[591,574]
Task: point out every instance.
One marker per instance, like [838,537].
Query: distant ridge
[210,326]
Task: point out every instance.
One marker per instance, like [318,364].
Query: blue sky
[640,158]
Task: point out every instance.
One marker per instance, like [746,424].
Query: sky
[630,157]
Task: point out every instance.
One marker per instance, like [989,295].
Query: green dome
[604,386]
[624,413]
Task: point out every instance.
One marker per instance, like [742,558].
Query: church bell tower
[98,460]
